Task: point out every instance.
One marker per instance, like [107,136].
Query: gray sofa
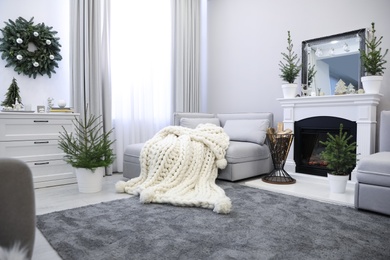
[372,190]
[247,155]
[17,206]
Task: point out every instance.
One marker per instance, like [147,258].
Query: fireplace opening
[307,147]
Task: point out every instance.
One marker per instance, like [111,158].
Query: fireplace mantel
[360,108]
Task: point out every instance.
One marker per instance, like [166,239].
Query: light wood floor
[67,196]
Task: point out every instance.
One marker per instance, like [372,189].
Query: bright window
[140,68]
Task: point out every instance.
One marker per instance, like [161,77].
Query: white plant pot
[289,90]
[89,181]
[337,183]
[372,84]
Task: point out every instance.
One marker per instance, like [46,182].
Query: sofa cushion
[247,130]
[179,115]
[235,116]
[374,169]
[239,152]
[194,122]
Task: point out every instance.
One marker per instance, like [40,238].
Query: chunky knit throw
[179,166]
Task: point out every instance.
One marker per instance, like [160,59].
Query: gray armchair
[372,191]
[17,205]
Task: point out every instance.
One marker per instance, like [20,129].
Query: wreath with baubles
[30,48]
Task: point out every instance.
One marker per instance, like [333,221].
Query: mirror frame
[328,39]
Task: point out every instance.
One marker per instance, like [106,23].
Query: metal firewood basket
[279,145]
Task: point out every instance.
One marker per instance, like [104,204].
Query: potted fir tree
[373,62]
[290,69]
[88,150]
[340,158]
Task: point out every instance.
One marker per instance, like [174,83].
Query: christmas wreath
[31,49]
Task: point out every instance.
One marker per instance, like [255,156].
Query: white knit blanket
[179,166]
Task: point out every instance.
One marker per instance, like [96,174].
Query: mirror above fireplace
[334,58]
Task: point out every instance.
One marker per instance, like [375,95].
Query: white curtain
[141,62]
[90,62]
[155,66]
[187,23]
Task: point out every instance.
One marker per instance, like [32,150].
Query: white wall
[52,13]
[246,37]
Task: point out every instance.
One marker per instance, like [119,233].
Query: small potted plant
[373,62]
[88,150]
[340,158]
[290,68]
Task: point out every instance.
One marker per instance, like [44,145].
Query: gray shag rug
[261,225]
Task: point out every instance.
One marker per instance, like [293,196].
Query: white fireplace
[360,108]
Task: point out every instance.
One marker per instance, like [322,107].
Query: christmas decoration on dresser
[50,103]
[30,48]
[12,101]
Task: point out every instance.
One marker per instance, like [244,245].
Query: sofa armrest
[384,133]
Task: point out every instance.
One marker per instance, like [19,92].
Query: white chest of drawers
[33,138]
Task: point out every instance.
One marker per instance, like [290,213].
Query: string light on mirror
[346,47]
[318,52]
[308,49]
[358,38]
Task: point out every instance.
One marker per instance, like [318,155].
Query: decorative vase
[337,183]
[372,84]
[289,90]
[61,103]
[89,181]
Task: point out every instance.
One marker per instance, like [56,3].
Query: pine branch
[372,58]
[89,146]
[290,67]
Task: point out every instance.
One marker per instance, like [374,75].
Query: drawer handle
[41,121]
[41,142]
[41,163]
